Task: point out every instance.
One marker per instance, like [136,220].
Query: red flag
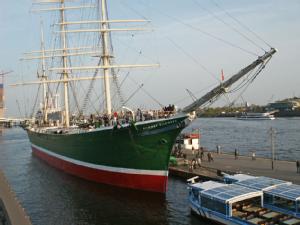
[222,75]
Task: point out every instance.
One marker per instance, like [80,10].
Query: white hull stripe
[100,167]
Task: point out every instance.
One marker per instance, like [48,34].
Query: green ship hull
[133,155]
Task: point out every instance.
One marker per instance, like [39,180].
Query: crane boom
[220,89]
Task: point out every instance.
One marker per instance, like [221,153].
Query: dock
[283,170]
[10,122]
[11,211]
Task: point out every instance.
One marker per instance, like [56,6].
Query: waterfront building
[285,105]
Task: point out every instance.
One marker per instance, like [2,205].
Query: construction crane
[4,73]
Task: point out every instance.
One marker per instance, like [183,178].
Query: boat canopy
[262,183]
[207,185]
[237,177]
[287,191]
[230,193]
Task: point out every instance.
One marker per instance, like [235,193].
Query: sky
[178,41]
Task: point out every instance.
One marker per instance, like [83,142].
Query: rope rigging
[205,32]
[228,25]
[241,24]
[246,83]
[194,59]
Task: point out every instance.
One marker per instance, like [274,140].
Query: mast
[65,63]
[105,56]
[64,52]
[44,76]
[220,89]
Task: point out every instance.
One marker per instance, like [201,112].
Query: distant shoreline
[277,114]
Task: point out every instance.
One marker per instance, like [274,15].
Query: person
[194,163]
[298,166]
[253,155]
[191,166]
[198,153]
[201,153]
[218,149]
[199,162]
[193,150]
[209,157]
[139,115]
[236,153]
[115,118]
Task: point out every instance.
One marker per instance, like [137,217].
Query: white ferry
[256,116]
[281,196]
[233,204]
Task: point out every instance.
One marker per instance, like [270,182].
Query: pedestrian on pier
[198,153]
[253,155]
[194,163]
[210,157]
[191,166]
[236,153]
[218,149]
[201,153]
[199,162]
[298,166]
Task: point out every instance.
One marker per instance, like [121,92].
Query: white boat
[189,141]
[233,204]
[256,116]
[279,195]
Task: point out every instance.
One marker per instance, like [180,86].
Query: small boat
[189,140]
[232,204]
[256,116]
[281,196]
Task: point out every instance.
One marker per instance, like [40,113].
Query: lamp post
[272,136]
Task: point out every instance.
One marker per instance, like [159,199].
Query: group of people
[169,108]
[236,154]
[122,117]
[199,157]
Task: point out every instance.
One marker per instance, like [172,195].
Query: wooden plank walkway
[11,208]
[284,170]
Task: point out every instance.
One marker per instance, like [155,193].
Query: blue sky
[178,45]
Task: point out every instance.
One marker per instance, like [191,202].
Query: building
[285,105]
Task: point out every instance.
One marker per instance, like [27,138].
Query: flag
[222,75]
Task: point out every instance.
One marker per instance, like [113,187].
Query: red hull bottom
[153,183]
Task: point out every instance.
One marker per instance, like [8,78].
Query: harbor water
[50,196]
[251,135]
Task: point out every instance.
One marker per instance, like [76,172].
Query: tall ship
[118,146]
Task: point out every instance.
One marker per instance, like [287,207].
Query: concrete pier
[11,211]
[284,170]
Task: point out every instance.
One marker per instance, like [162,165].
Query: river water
[251,135]
[50,196]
